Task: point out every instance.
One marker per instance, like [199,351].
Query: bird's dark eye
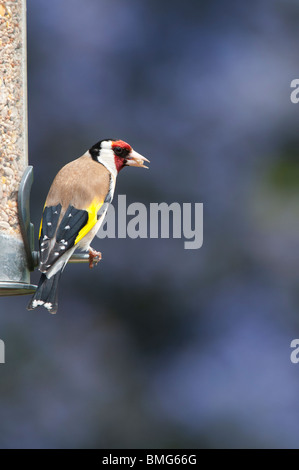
[118,151]
[121,151]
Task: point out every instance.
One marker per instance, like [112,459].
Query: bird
[75,209]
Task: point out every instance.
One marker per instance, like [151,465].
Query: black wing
[56,239]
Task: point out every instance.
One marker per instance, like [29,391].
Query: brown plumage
[78,183]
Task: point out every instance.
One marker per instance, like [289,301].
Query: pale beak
[135,159]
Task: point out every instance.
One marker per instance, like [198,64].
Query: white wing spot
[45,237]
[56,212]
[43,249]
[49,223]
[56,253]
[67,227]
[62,247]
[70,215]
[36,303]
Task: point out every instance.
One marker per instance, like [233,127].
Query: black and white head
[115,155]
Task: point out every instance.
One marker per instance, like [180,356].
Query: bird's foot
[94,257]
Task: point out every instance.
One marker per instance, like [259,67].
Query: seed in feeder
[12,87]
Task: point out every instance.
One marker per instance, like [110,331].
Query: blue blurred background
[160,346]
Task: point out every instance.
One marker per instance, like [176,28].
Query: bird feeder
[14,264]
[17,255]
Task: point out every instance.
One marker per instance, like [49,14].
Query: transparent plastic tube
[13,110]
[13,135]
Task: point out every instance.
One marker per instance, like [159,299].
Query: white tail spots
[36,303]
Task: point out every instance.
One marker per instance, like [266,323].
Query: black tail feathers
[46,293]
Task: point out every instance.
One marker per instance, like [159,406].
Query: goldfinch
[75,208]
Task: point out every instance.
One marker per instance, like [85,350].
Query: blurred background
[162,347]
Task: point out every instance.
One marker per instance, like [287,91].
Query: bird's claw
[94,257]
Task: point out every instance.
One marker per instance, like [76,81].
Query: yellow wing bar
[92,210]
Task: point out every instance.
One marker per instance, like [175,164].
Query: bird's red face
[115,154]
[124,155]
[121,150]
